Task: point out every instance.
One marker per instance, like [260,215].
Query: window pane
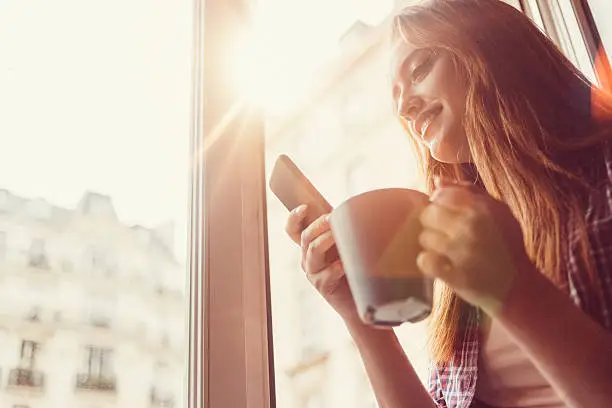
[342,133]
[95,108]
[573,42]
[602,13]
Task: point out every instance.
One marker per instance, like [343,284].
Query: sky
[95,96]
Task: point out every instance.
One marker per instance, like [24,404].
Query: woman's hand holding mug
[320,262]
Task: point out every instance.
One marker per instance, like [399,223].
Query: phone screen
[293,188]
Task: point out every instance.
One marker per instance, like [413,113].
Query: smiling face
[430,96]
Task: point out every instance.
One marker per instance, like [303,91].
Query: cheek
[452,86]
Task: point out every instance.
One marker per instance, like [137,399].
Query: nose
[408,104]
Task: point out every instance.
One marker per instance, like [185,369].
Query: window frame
[590,33]
[590,37]
[230,350]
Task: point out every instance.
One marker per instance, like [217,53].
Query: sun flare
[273,62]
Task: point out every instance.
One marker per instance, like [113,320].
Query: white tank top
[506,376]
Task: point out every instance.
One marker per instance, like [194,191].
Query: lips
[425,118]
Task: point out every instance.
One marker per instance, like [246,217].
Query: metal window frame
[230,334]
[586,23]
[551,17]
[590,33]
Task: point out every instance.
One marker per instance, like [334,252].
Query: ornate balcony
[96,383]
[26,377]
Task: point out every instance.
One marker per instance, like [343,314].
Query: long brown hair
[533,122]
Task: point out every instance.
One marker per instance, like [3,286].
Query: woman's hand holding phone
[320,260]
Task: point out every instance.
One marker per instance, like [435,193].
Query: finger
[295,223]
[327,277]
[434,241]
[458,198]
[318,227]
[442,219]
[315,259]
[434,265]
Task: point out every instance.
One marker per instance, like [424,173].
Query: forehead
[400,51]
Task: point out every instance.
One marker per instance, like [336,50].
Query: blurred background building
[91,310]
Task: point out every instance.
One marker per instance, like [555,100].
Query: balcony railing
[96,383]
[26,377]
[161,400]
[38,261]
[100,321]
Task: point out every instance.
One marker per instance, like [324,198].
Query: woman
[519,229]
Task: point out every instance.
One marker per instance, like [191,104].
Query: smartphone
[293,189]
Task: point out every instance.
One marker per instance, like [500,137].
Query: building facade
[91,310]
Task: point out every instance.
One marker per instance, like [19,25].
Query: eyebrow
[406,62]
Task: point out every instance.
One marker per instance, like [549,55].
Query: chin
[447,159]
[448,156]
[449,150]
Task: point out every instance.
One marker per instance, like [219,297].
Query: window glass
[345,138]
[95,108]
[328,108]
[573,42]
[602,14]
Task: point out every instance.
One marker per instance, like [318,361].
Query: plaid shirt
[454,385]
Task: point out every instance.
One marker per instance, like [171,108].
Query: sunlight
[272,63]
[275,60]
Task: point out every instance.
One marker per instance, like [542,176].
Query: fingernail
[420,259]
[300,209]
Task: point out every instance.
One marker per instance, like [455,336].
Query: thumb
[434,265]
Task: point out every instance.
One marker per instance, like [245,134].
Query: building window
[98,371]
[102,262]
[99,362]
[29,351]
[37,254]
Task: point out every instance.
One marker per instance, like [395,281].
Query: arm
[571,350]
[475,245]
[393,379]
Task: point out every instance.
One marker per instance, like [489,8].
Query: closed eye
[423,68]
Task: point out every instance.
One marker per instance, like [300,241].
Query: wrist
[358,328]
[518,285]
[526,286]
